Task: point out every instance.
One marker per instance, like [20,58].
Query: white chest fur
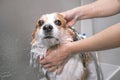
[73,69]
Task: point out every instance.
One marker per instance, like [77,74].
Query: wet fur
[70,33]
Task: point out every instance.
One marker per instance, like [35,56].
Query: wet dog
[51,30]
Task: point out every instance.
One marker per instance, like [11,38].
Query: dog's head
[51,29]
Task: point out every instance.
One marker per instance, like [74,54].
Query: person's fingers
[52,69]
[71,23]
[44,61]
[47,65]
[60,69]
[63,14]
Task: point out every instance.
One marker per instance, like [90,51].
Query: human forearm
[100,8]
[107,39]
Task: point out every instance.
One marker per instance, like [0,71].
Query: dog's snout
[48,28]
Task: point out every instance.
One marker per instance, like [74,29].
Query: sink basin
[110,72]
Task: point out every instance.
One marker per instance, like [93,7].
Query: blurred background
[17,21]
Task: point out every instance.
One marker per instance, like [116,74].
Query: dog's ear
[34,35]
[35,31]
[61,17]
[37,27]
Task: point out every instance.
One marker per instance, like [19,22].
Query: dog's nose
[48,28]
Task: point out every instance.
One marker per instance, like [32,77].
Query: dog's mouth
[51,38]
[48,37]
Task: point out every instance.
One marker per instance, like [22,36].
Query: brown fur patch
[86,70]
[85,74]
[62,20]
[64,25]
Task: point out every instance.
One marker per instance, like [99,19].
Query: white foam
[36,52]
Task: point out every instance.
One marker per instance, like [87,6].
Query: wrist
[70,48]
[85,12]
[79,12]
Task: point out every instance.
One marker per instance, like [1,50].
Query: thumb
[71,23]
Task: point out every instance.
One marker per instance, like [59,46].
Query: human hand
[56,58]
[70,16]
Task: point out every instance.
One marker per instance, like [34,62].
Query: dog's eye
[58,22]
[40,22]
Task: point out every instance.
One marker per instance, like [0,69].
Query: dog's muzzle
[47,28]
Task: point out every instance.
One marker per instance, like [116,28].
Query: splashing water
[37,52]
